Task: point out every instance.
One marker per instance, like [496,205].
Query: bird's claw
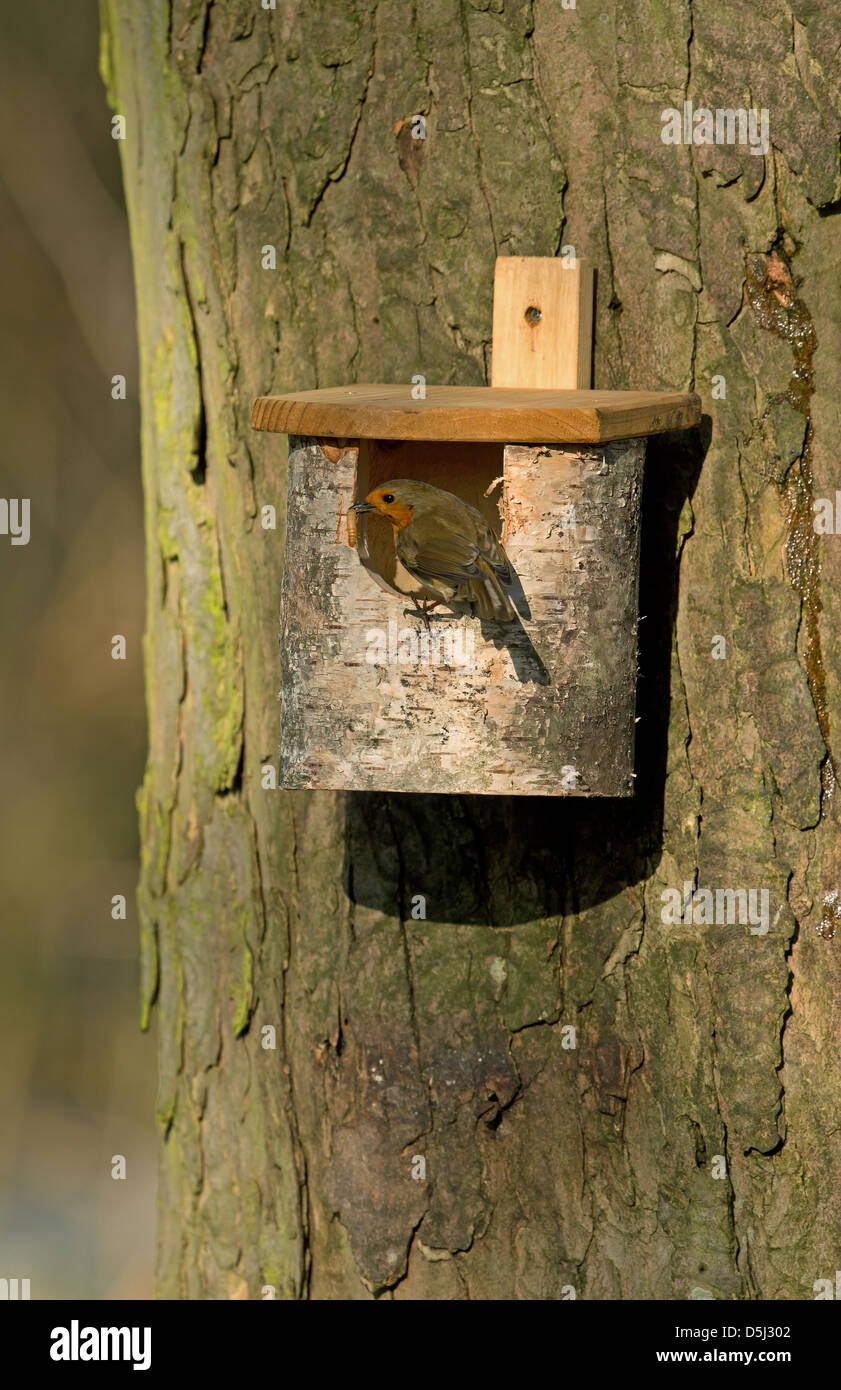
[421,610]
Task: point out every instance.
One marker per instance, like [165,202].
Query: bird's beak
[362,507]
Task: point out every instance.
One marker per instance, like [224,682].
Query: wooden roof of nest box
[375,701]
[501,414]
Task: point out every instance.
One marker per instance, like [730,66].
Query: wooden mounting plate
[504,415]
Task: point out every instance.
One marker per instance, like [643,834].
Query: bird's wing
[471,522]
[451,554]
[454,559]
[445,555]
[496,557]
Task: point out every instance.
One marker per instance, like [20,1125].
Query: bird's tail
[489,595]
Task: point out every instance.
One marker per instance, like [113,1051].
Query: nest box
[375,698]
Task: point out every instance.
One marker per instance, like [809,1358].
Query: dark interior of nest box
[467,470]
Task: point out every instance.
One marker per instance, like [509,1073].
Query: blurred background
[77,1076]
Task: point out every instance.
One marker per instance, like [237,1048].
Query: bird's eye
[388,498]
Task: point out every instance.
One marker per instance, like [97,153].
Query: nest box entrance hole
[469,470]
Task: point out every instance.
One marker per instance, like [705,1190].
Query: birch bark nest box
[376,698]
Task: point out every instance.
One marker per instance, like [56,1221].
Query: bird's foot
[422,609]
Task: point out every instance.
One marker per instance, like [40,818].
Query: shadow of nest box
[377,697]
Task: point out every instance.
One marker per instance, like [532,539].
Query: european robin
[446,545]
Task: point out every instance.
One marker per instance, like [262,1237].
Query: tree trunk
[542,1087]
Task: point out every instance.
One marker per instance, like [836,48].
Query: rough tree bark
[546,1166]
